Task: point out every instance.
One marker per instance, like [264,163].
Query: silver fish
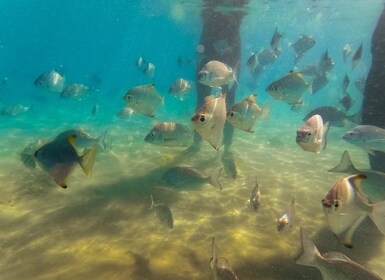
[311,136]
[141,63]
[51,81]
[334,116]
[74,91]
[332,265]
[302,45]
[368,137]
[59,158]
[372,186]
[210,119]
[163,212]
[216,74]
[143,99]
[346,51]
[179,88]
[287,220]
[187,177]
[346,206]
[124,113]
[149,70]
[14,110]
[357,56]
[220,266]
[290,88]
[255,197]
[169,134]
[243,115]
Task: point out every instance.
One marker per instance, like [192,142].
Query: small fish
[149,70]
[216,74]
[222,46]
[124,113]
[290,88]
[252,62]
[141,63]
[275,39]
[345,207]
[325,64]
[59,158]
[229,165]
[334,116]
[288,218]
[332,265]
[14,110]
[302,45]
[143,99]
[83,140]
[183,61]
[345,83]
[243,115]
[357,56]
[220,266]
[187,177]
[74,91]
[163,212]
[311,136]
[169,134]
[266,56]
[346,51]
[360,84]
[95,109]
[51,81]
[368,137]
[318,83]
[210,119]
[372,186]
[179,88]
[255,197]
[347,101]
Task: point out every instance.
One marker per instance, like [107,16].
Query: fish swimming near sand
[255,196]
[311,136]
[346,206]
[163,212]
[210,119]
[180,88]
[368,137]
[287,220]
[74,91]
[169,134]
[332,265]
[220,266]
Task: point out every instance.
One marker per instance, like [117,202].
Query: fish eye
[309,133]
[275,88]
[153,134]
[128,97]
[232,114]
[336,204]
[39,83]
[202,119]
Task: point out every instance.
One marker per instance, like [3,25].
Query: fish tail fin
[266,110]
[378,216]
[325,132]
[87,160]
[102,141]
[345,164]
[310,253]
[214,179]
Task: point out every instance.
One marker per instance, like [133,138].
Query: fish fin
[345,165]
[325,132]
[310,253]
[336,255]
[369,151]
[87,160]
[356,118]
[152,203]
[214,179]
[209,98]
[251,97]
[62,183]
[101,140]
[378,216]
[345,237]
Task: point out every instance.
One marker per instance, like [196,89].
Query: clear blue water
[100,227]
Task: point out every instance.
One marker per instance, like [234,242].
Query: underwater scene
[208,139]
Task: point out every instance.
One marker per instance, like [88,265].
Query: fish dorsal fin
[151,87]
[251,97]
[155,123]
[209,98]
[345,164]
[336,256]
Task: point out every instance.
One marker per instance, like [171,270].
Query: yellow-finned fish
[210,119]
[143,99]
[346,206]
[311,136]
[332,265]
[59,158]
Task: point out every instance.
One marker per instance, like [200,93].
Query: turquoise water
[101,227]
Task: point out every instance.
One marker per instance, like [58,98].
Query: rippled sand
[101,227]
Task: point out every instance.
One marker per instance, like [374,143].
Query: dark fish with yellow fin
[357,56]
[332,265]
[243,115]
[346,206]
[59,158]
[220,266]
[210,119]
[290,88]
[163,212]
[143,99]
[311,136]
